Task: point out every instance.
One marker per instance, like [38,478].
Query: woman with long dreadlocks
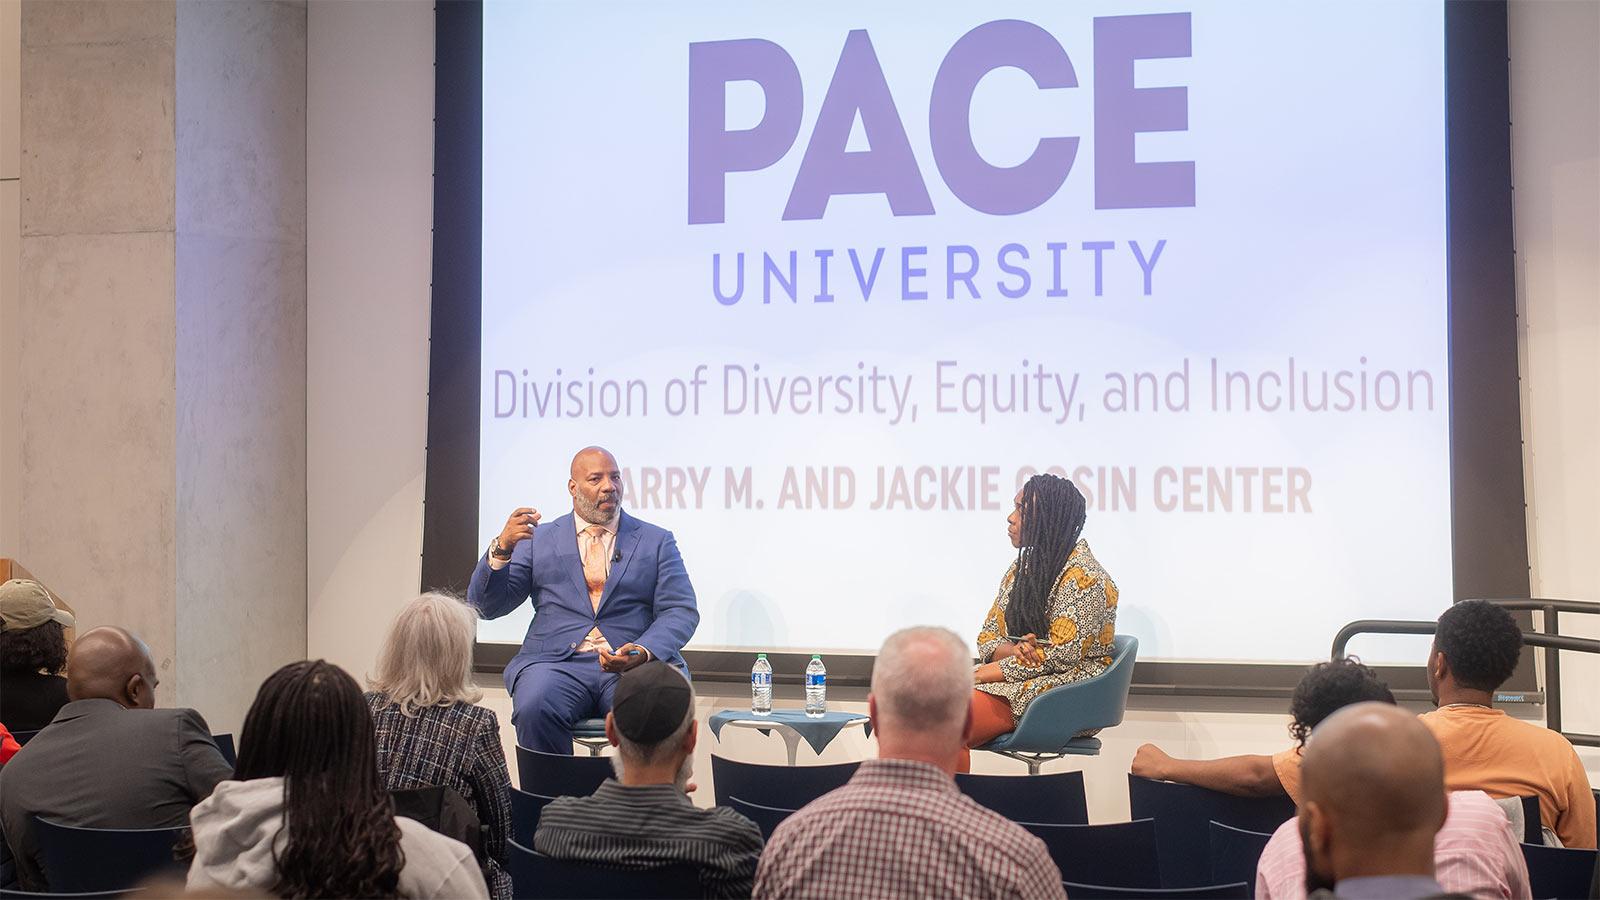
[306,814]
[1054,617]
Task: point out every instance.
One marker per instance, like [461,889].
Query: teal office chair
[1050,727]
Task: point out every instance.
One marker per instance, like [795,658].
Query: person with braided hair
[306,813]
[1054,617]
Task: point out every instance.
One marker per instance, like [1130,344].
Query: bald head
[596,485]
[1373,792]
[589,459]
[111,664]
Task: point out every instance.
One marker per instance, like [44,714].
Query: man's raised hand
[519,526]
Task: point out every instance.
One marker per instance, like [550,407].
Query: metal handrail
[1549,638]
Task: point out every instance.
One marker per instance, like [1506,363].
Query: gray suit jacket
[102,766]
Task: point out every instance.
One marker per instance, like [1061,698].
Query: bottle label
[760,679]
[816,679]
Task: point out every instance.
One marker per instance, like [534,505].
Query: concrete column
[241,347]
[162,328]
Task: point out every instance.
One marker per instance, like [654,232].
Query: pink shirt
[1474,853]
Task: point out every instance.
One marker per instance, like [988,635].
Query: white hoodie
[234,830]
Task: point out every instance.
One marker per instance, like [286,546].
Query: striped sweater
[653,825]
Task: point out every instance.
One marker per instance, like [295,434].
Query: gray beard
[590,512]
[679,781]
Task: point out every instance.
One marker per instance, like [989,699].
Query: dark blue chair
[23,737]
[591,733]
[8,894]
[1559,871]
[560,774]
[782,787]
[535,876]
[1055,799]
[225,747]
[1122,854]
[1050,727]
[1202,892]
[1532,827]
[1234,853]
[767,818]
[82,860]
[525,810]
[1183,814]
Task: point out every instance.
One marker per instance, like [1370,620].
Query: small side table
[791,725]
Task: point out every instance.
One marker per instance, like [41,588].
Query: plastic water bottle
[761,686]
[816,687]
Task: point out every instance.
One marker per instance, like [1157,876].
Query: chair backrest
[23,737]
[1122,854]
[104,859]
[1056,799]
[8,894]
[767,818]
[1059,714]
[1532,826]
[1201,892]
[445,812]
[525,809]
[225,747]
[1184,814]
[782,787]
[535,877]
[1559,871]
[1235,852]
[560,774]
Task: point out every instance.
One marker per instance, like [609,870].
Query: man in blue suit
[609,593]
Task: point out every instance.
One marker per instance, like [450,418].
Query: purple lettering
[715,151]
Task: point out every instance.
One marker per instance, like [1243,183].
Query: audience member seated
[430,732]
[8,745]
[900,827]
[1476,853]
[1475,650]
[33,654]
[645,818]
[1325,688]
[109,759]
[1373,801]
[307,815]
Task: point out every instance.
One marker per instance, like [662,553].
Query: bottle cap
[761,656]
[816,656]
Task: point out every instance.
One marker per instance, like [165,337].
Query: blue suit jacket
[648,599]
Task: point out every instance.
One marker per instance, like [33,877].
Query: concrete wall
[10,251]
[96,319]
[158,389]
[1555,148]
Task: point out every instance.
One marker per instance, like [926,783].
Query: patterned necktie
[594,564]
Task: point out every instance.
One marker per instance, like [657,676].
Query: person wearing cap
[644,818]
[609,592]
[33,654]
[109,758]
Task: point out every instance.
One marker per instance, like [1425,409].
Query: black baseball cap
[651,702]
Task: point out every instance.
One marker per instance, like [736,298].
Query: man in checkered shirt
[901,828]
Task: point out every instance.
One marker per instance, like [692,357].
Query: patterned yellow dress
[1083,619]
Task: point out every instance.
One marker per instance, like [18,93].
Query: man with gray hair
[900,827]
[644,818]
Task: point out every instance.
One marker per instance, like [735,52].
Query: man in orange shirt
[1474,651]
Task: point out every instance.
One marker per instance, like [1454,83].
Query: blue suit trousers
[548,698]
